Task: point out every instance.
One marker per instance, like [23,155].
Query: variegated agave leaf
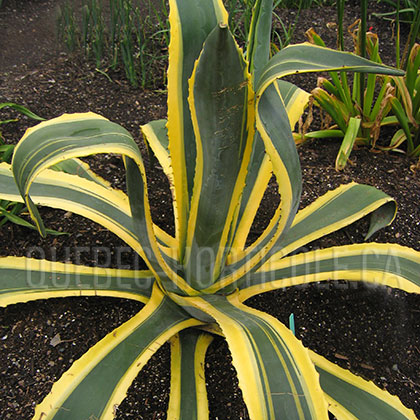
[227,132]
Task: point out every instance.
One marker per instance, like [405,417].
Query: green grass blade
[401,115]
[23,110]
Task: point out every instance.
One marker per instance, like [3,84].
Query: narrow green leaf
[329,87]
[324,134]
[347,143]
[401,115]
[8,121]
[17,220]
[397,139]
[333,107]
[369,93]
[413,65]
[384,93]
[23,110]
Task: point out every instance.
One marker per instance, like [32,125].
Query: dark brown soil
[374,331]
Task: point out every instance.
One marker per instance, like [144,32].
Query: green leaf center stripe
[66,152]
[334,210]
[28,279]
[114,215]
[219,109]
[365,402]
[270,392]
[62,141]
[294,59]
[46,268]
[259,39]
[385,264]
[351,396]
[378,263]
[54,137]
[188,397]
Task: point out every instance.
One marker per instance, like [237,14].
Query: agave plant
[228,130]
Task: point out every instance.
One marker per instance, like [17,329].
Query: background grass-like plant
[133,36]
[358,107]
[124,35]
